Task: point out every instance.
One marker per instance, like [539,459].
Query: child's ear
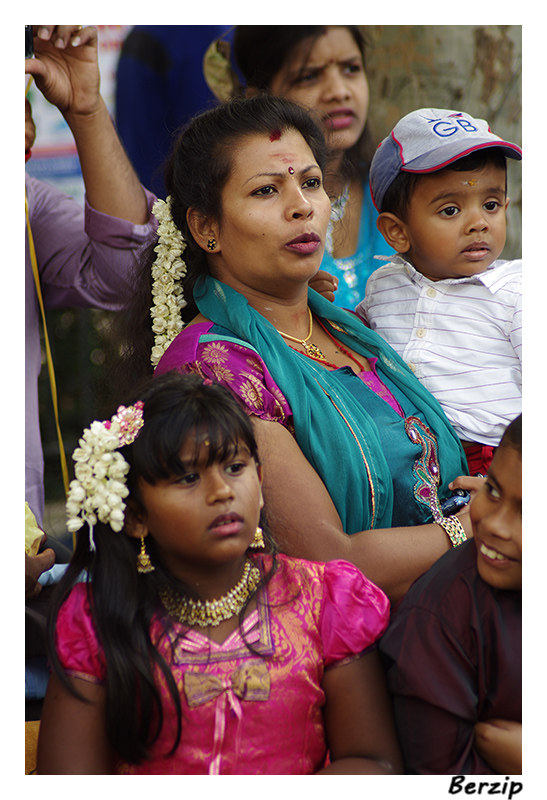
[204,230]
[394,231]
[135,522]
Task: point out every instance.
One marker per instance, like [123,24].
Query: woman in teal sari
[356,454]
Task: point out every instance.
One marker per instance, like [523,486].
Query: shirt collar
[487,278]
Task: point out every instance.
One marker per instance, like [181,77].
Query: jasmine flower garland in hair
[100,471]
[167,270]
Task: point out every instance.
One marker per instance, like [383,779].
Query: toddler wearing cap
[445,302]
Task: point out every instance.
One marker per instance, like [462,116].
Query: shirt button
[431,292]
[420,333]
[411,366]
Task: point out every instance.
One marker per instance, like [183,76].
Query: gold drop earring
[258,541]
[143,560]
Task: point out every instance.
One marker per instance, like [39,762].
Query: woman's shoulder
[183,348]
[213,352]
[197,320]
[203,340]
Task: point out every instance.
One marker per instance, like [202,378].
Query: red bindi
[275,135]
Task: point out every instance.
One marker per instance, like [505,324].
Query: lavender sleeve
[84,258]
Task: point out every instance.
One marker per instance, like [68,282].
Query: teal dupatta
[334,430]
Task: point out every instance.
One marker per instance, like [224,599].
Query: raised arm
[66,71]
[306,524]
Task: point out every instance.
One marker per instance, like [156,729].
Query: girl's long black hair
[124,601]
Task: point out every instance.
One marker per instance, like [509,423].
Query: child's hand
[472,485]
[468,483]
[324,283]
[499,742]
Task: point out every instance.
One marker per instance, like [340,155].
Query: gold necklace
[311,349]
[211,612]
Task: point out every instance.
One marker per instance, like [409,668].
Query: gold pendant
[313,351]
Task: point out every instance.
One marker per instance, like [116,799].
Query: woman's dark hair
[261,51]
[195,176]
[123,601]
[398,196]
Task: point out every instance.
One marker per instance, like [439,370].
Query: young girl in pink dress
[181,642]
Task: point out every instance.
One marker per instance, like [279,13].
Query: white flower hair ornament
[167,271]
[99,487]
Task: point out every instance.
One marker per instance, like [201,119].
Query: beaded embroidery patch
[426,467]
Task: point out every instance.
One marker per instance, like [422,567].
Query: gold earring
[258,541]
[143,560]
[211,244]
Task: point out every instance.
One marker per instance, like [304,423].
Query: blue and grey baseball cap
[428,140]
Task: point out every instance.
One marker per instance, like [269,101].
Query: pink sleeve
[85,257]
[243,372]
[355,613]
[76,638]
[234,365]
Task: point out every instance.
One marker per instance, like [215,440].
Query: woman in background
[322,68]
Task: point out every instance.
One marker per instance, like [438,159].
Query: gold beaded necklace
[311,349]
[211,612]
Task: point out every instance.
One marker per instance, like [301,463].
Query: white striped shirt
[462,338]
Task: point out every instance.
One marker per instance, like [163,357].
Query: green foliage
[80,344]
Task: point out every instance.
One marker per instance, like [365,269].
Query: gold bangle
[453,527]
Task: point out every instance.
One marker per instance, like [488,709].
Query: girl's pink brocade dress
[247,713]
